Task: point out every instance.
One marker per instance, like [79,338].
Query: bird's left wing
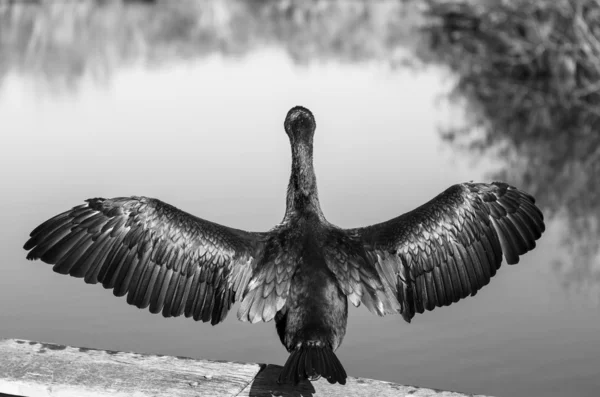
[158,255]
[450,247]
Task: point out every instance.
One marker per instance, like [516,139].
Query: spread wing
[450,247]
[156,254]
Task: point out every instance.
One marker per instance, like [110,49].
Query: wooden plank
[265,385]
[33,369]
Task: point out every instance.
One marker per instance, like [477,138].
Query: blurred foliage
[63,42]
[529,72]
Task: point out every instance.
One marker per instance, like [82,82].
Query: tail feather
[310,361]
[289,371]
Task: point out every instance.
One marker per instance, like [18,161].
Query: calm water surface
[206,135]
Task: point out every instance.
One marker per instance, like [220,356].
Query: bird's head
[300,125]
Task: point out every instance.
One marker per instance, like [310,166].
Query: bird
[303,272]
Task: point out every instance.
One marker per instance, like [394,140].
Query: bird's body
[303,272]
[316,309]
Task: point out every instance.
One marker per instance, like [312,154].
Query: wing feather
[208,303]
[171,294]
[183,299]
[451,247]
[157,255]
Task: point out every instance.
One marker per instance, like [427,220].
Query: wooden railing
[36,369]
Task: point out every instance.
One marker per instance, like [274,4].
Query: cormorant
[303,271]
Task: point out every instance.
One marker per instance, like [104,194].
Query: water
[201,127]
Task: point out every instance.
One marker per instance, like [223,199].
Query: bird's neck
[302,195]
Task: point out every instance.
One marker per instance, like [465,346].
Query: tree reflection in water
[536,109]
[532,90]
[64,42]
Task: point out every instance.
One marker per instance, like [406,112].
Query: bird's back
[316,308]
[312,323]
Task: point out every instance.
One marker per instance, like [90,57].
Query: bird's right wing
[451,246]
[156,254]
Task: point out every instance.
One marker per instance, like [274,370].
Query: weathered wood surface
[34,369]
[44,369]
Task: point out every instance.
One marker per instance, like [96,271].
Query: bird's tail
[311,361]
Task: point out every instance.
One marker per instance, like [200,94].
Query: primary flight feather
[303,271]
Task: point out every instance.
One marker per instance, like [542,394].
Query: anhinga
[303,271]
